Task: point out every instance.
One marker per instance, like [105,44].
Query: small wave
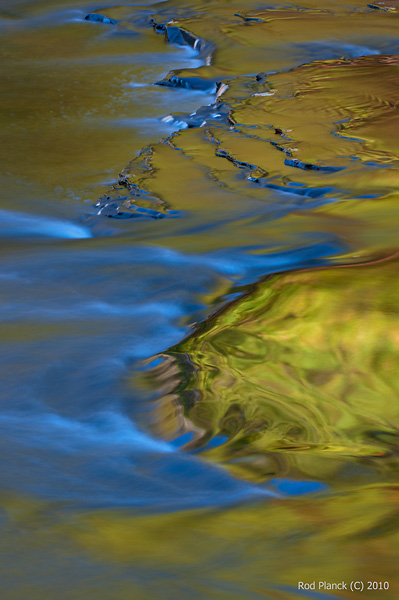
[333,50]
[106,429]
[108,461]
[14,224]
[136,84]
[86,309]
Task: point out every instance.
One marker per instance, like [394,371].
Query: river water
[199,307]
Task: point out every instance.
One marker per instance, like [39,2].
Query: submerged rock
[205,115]
[386,5]
[188,83]
[294,162]
[98,18]
[182,37]
[178,35]
[238,163]
[249,19]
[125,209]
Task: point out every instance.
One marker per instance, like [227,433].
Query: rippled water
[199,308]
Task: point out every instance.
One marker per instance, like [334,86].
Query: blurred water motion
[199,309]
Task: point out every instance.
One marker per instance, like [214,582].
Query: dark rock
[158,27]
[111,209]
[188,83]
[387,6]
[114,211]
[124,207]
[308,192]
[205,115]
[177,35]
[182,37]
[294,162]
[237,163]
[286,151]
[97,18]
[249,19]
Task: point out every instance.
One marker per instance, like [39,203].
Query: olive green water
[199,310]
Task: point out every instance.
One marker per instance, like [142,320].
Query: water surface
[199,298]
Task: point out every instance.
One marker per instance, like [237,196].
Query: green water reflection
[299,375]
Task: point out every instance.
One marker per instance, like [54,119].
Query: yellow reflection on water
[262,550]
